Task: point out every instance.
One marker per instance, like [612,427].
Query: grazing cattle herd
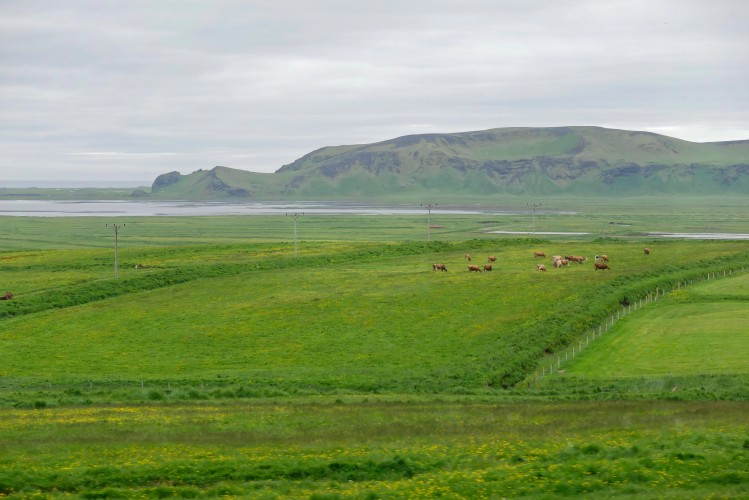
[600,262]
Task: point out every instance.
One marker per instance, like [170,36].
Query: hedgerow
[564,324]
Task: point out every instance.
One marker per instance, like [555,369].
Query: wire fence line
[554,362]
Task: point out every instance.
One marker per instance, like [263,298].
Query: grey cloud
[190,84]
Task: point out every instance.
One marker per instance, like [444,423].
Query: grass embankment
[692,343]
[700,329]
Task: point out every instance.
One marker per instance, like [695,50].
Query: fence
[553,363]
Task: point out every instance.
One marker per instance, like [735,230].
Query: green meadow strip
[552,333]
[360,449]
[78,294]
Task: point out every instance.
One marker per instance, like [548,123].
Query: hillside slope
[532,161]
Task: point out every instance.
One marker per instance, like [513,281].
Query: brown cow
[540,267]
[539,254]
[439,267]
[468,257]
[492,258]
[565,262]
[576,258]
[558,263]
[601,266]
[602,258]
[646,251]
[474,268]
[7,296]
[487,267]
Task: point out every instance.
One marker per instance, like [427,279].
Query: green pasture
[340,317]
[701,329]
[219,364]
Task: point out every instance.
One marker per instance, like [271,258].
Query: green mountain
[522,161]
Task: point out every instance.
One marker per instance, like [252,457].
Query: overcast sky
[117,92]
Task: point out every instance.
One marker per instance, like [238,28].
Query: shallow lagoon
[54,208]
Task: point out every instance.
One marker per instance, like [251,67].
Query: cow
[487,267]
[565,262]
[576,258]
[602,258]
[468,257]
[474,269]
[492,258]
[555,258]
[7,296]
[558,263]
[538,254]
[540,267]
[439,267]
[646,251]
[601,265]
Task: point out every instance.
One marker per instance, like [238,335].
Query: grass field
[224,366]
[698,330]
[378,450]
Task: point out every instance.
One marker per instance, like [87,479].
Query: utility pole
[116,228]
[534,206]
[295,216]
[429,207]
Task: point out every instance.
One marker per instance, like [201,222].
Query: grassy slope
[588,143]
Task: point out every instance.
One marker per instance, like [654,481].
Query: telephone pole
[116,228]
[295,216]
[429,207]
[534,206]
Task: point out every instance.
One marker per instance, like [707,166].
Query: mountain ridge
[575,160]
